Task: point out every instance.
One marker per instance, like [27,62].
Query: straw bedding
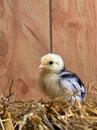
[55,114]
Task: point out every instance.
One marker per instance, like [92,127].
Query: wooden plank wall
[24,38]
[75,37]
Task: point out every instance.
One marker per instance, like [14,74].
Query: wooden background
[25,37]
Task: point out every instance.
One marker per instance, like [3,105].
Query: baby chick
[55,81]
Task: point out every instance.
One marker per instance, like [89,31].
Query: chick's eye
[51,62]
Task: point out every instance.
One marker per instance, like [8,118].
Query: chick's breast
[49,84]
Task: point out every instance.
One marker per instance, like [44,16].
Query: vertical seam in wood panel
[50,25]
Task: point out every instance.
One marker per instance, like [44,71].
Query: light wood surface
[75,36]
[24,38]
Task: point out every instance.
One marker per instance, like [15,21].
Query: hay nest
[57,114]
[52,115]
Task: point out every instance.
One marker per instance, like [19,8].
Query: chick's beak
[42,65]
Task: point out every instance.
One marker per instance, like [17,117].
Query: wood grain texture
[75,36]
[24,38]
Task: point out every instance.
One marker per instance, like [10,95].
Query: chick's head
[51,63]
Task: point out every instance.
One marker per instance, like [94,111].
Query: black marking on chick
[72,75]
[68,75]
[83,94]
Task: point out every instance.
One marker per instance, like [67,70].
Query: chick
[55,81]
